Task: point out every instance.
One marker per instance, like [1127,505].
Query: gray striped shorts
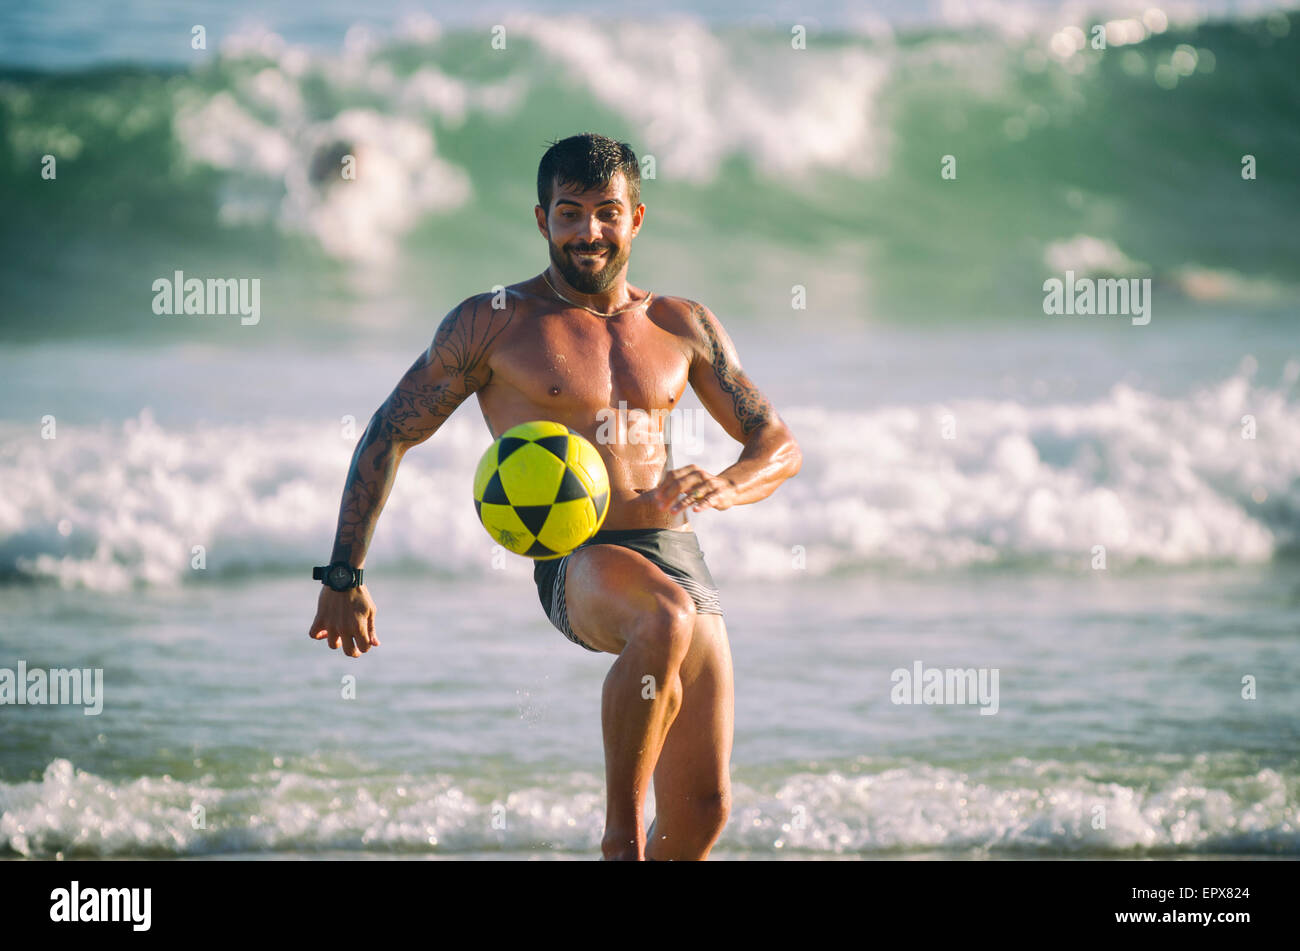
[676,553]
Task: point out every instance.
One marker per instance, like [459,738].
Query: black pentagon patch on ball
[570,487]
[508,444]
[495,492]
[558,445]
[533,516]
[599,502]
[538,550]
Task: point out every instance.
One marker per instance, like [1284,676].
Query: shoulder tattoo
[415,408]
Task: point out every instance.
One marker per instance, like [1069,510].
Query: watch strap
[321,573]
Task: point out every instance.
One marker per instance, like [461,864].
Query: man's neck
[608,301]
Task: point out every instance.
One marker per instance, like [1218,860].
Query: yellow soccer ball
[541,490]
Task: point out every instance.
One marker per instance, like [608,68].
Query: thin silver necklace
[613,313]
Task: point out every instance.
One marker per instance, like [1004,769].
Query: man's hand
[691,485]
[347,618]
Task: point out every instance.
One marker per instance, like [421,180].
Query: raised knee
[665,631]
[675,613]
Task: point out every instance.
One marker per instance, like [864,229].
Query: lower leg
[697,827]
[636,714]
[692,779]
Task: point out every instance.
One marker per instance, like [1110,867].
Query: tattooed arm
[771,454]
[445,375]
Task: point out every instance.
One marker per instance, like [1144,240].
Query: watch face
[339,576]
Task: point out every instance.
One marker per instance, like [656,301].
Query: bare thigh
[608,589]
[611,591]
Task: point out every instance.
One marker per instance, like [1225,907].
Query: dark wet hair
[587,161]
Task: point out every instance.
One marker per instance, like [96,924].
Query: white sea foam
[707,101]
[286,164]
[1169,481]
[1031,806]
[701,100]
[1090,256]
[1021,806]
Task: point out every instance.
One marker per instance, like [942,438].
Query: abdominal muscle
[630,482]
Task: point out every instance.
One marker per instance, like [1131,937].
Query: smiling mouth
[588,255]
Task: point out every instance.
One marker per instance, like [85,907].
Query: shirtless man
[566,345]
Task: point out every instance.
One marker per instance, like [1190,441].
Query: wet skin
[533,350]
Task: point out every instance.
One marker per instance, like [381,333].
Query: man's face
[599,221]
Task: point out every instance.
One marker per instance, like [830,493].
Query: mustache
[576,249]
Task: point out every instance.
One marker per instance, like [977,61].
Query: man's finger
[705,497]
[357,641]
[684,486]
[698,485]
[678,477]
[364,627]
[370,622]
[721,490]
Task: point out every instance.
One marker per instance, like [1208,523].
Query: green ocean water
[772,167]
[476,732]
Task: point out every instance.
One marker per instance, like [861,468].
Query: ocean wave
[243,155]
[1210,478]
[1201,804]
[260,121]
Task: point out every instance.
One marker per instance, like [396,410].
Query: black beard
[588,282]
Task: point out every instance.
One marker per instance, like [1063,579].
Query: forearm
[771,455]
[370,478]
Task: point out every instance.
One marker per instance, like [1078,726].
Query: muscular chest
[576,367]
